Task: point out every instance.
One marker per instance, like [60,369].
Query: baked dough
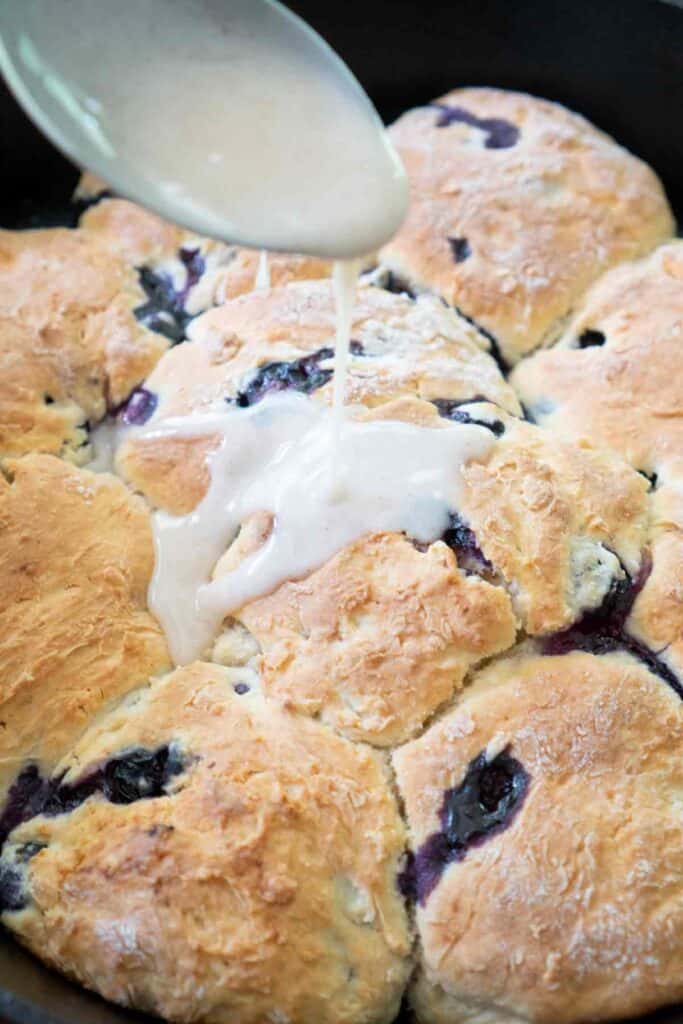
[236,862]
[517,205]
[449,773]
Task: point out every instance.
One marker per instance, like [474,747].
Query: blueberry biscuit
[612,376]
[517,206]
[547,863]
[71,347]
[204,855]
[75,562]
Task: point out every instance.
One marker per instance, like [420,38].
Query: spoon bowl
[230,117]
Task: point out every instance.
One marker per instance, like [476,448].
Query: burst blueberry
[164,310]
[603,630]
[481,806]
[461,539]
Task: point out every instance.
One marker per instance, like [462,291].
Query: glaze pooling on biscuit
[279,339]
[479,807]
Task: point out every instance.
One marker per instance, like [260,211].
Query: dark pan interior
[619,62]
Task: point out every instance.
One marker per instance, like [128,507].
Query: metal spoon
[231,117]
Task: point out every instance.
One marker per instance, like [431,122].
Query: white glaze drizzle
[262,280]
[275,457]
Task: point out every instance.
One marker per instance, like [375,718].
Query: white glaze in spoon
[231,117]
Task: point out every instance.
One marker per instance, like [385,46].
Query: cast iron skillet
[619,62]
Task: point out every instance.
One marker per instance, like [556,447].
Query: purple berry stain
[603,630]
[482,805]
[139,407]
[500,134]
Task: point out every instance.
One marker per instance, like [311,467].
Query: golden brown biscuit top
[558,523]
[70,344]
[271,845]
[517,206]
[612,377]
[75,562]
[559,897]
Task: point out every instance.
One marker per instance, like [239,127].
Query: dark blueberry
[391,282]
[241,688]
[164,311]
[451,409]
[12,888]
[590,338]
[500,134]
[462,540]
[482,805]
[140,774]
[607,621]
[460,248]
[139,407]
[135,775]
[25,799]
[304,374]
[65,798]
